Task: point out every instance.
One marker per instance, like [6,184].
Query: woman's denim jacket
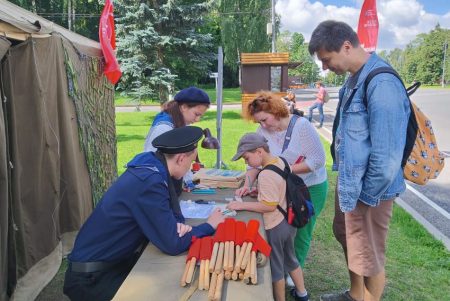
[371,141]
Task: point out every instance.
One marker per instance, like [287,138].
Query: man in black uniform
[140,206]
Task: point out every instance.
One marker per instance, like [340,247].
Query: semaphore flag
[368,25]
[107,37]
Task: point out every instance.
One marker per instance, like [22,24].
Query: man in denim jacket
[368,145]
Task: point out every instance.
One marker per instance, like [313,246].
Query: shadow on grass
[212,115]
[125,138]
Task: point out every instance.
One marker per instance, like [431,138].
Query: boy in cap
[141,206]
[253,148]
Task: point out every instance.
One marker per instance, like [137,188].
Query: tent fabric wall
[53,152]
[93,96]
[4,46]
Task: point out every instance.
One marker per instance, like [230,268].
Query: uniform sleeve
[153,133]
[158,223]
[269,188]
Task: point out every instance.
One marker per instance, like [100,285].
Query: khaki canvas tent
[57,145]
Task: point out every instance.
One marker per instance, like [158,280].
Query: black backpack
[299,206]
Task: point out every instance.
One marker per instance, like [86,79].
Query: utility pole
[443,64]
[273,27]
[69,14]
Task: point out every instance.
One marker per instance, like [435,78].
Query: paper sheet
[193,210]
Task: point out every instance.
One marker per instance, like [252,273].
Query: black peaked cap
[178,140]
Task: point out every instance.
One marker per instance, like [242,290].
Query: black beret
[178,140]
[192,95]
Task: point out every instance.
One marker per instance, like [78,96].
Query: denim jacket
[371,140]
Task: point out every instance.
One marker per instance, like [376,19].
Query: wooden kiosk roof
[269,58]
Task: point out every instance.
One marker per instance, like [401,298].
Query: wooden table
[156,276]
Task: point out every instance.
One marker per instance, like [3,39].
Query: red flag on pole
[107,38]
[368,25]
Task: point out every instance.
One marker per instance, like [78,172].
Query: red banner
[368,25]
[107,37]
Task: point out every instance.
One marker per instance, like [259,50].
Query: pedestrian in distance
[253,148]
[367,148]
[290,101]
[140,207]
[318,104]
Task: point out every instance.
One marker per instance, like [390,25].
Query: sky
[399,20]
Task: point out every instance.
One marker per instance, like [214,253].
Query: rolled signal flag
[107,37]
[368,25]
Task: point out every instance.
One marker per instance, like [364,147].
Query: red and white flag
[368,25]
[107,37]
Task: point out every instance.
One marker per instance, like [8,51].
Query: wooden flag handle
[247,274]
[246,258]
[237,266]
[213,257]
[201,277]
[206,279]
[191,270]
[212,286]
[231,257]
[234,275]
[253,272]
[219,262]
[218,290]
[225,255]
[183,278]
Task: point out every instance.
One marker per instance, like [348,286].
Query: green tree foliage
[294,43]
[422,59]
[160,45]
[332,79]
[85,13]
[243,28]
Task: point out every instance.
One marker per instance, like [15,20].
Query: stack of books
[223,178]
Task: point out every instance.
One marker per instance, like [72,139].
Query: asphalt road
[429,204]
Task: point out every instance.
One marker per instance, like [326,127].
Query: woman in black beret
[187,107]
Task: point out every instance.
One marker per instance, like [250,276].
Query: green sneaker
[345,296]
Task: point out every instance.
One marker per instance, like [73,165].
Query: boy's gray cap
[249,142]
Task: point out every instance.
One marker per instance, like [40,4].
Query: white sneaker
[289,281]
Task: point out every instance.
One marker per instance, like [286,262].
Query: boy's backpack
[326,97]
[422,159]
[299,206]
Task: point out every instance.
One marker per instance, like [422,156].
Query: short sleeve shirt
[272,192]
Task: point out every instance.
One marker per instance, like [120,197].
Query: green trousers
[303,237]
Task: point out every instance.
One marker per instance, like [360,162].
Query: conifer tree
[160,47]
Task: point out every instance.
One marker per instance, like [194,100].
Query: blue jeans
[319,106]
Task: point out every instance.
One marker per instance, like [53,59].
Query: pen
[203,202]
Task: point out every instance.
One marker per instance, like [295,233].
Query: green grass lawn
[230,95]
[418,266]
